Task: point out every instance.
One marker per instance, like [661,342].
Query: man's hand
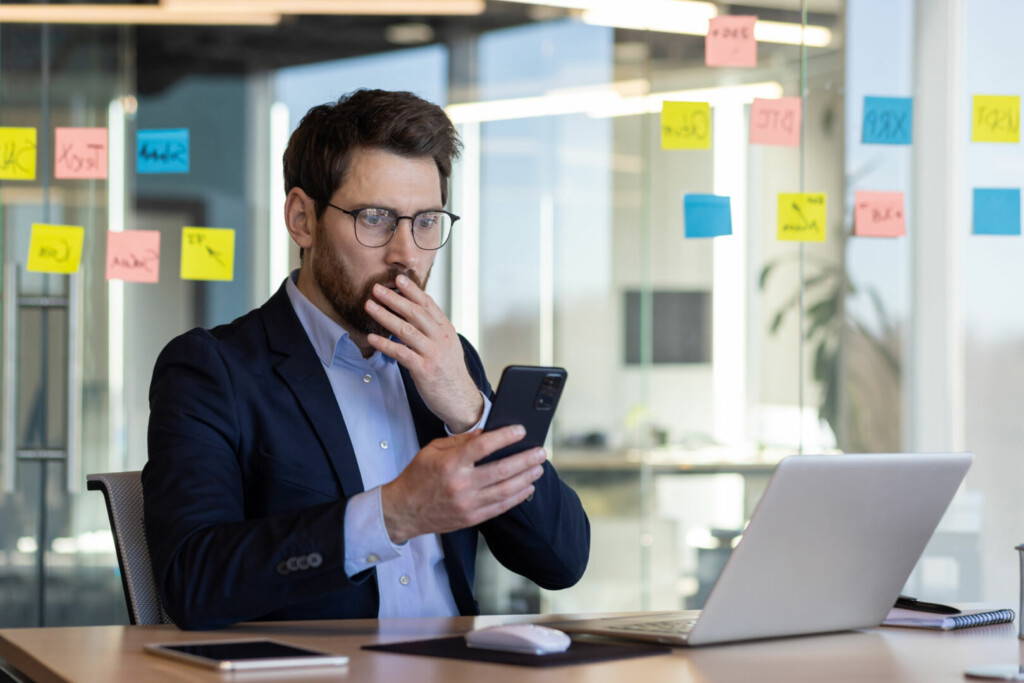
[430,351]
[442,489]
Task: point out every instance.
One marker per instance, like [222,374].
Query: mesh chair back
[123,493]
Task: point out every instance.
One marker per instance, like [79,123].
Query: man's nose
[402,249]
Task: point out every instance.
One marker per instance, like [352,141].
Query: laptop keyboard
[668,626]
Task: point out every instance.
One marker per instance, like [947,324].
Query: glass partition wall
[694,364]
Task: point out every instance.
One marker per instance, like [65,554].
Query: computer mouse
[524,638]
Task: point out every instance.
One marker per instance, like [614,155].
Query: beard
[348,297]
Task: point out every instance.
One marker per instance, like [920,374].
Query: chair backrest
[123,493]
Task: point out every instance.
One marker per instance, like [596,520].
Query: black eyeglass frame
[398,219]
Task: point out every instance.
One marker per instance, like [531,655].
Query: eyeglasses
[375,226]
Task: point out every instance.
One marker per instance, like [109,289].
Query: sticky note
[802,217]
[55,248]
[80,153]
[162,151]
[207,253]
[730,41]
[996,211]
[887,120]
[685,125]
[996,118]
[775,122]
[879,214]
[133,255]
[17,153]
[706,215]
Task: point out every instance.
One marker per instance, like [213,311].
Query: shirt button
[371,558]
[404,580]
[384,445]
[367,378]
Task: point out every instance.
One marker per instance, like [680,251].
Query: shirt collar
[330,340]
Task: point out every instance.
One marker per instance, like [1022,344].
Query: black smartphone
[527,395]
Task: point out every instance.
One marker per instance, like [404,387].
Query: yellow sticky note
[55,248]
[207,253]
[996,118]
[685,125]
[802,217]
[17,153]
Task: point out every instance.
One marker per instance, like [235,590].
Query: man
[316,458]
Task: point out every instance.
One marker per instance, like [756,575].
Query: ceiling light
[340,7]
[409,33]
[128,14]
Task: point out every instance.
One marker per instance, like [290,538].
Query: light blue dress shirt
[411,577]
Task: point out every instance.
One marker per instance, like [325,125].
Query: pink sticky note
[80,153]
[133,255]
[730,41]
[775,122]
[879,214]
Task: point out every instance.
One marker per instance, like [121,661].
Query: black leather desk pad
[580,652]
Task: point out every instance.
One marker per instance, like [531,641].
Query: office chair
[123,494]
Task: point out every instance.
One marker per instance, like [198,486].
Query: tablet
[239,655]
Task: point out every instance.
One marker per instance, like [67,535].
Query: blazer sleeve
[213,567]
[545,539]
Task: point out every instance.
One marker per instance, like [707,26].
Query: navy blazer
[250,467]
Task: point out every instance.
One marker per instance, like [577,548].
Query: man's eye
[427,221]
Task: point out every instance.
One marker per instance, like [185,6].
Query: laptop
[828,548]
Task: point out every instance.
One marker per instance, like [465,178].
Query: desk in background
[113,654]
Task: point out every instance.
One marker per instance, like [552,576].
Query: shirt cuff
[481,422]
[367,542]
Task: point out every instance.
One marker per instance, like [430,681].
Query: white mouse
[525,638]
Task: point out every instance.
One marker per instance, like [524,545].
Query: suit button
[404,580]
[293,564]
[314,560]
[302,561]
[282,568]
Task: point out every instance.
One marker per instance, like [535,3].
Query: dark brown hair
[319,150]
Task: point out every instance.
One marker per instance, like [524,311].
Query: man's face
[345,270]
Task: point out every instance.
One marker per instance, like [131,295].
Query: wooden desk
[114,653]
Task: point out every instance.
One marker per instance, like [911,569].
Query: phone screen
[243,649]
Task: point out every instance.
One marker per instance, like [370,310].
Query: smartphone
[243,655]
[527,395]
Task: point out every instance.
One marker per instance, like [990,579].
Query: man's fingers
[406,307]
[402,328]
[411,291]
[496,439]
[510,487]
[400,352]
[506,468]
[495,509]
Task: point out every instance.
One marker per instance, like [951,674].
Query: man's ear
[300,217]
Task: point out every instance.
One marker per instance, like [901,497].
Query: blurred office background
[689,376]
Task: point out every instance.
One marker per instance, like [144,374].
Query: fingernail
[540,456]
[519,430]
[402,280]
[370,303]
[537,471]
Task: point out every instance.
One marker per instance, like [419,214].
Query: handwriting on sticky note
[879,214]
[996,211]
[887,120]
[17,153]
[162,151]
[685,125]
[80,153]
[730,41]
[706,215]
[996,118]
[133,255]
[207,253]
[55,248]
[802,217]
[775,122]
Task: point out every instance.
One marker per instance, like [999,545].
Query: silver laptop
[828,548]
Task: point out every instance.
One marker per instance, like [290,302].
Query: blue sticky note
[707,215]
[996,211]
[162,151]
[888,120]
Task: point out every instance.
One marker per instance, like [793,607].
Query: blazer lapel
[302,371]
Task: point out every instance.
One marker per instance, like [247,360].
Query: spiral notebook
[947,622]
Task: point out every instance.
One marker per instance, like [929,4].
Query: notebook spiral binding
[985,619]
